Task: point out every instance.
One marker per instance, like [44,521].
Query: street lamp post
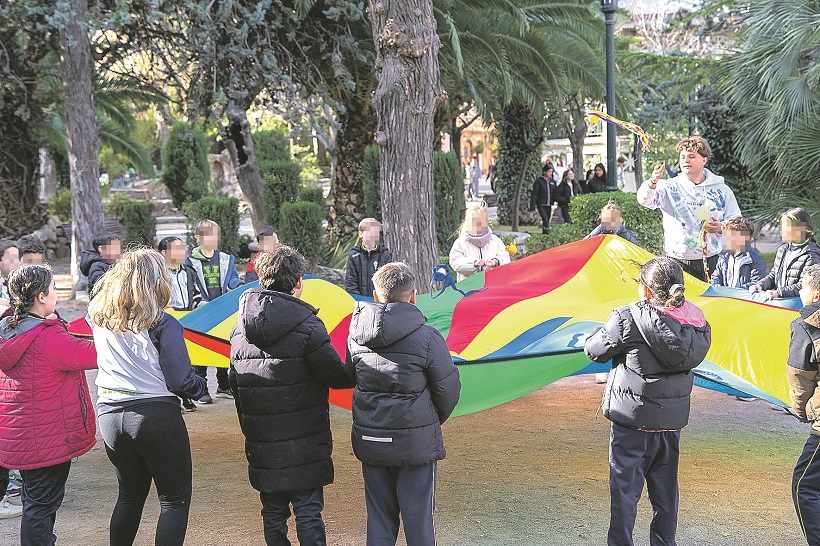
[609,7]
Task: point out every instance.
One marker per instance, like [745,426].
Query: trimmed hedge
[312,194]
[139,223]
[282,184]
[185,169]
[270,146]
[448,193]
[585,211]
[301,228]
[222,210]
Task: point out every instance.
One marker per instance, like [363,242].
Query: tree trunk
[638,153]
[83,135]
[519,183]
[358,125]
[238,141]
[407,45]
[575,126]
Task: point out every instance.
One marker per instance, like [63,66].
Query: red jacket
[46,415]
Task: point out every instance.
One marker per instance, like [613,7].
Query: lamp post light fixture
[609,7]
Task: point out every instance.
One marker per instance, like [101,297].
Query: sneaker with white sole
[224,393]
[8,510]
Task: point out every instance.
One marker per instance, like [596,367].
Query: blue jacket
[622,232]
[739,271]
[228,276]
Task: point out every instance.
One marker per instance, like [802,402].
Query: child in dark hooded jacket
[653,344]
[406,387]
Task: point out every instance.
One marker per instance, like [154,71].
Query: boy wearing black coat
[803,372]
[282,364]
[406,386]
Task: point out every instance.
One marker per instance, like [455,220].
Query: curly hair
[739,224]
[25,284]
[696,144]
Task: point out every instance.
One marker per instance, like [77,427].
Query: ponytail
[664,279]
[25,284]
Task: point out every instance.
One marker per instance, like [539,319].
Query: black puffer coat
[362,265]
[93,266]
[282,364]
[406,385]
[809,254]
[653,353]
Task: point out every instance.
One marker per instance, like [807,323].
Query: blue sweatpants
[409,490]
[806,490]
[635,457]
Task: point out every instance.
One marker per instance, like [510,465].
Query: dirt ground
[531,472]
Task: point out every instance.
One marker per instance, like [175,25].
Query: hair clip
[675,288]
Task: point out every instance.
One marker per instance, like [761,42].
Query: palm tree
[773,83]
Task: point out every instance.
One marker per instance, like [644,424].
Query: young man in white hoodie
[694,204]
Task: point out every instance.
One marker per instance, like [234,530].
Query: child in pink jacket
[47,418]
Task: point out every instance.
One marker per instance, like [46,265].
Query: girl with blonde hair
[476,248]
[143,363]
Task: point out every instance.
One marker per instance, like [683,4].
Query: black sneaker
[224,393]
[206,399]
[188,404]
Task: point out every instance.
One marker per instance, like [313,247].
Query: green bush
[312,195]
[244,253]
[448,193]
[558,235]
[646,224]
[282,184]
[115,206]
[59,205]
[139,223]
[301,228]
[222,210]
[270,146]
[185,169]
[369,175]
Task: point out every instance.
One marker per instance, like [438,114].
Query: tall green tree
[774,84]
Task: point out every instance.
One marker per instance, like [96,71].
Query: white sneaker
[8,510]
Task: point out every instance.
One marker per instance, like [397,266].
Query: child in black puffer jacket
[653,344]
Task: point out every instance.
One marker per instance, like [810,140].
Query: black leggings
[145,442]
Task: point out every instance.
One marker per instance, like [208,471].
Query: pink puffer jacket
[46,415]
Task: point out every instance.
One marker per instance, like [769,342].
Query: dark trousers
[565,213]
[221,376]
[42,494]
[4,481]
[307,507]
[806,490]
[144,443]
[635,456]
[695,267]
[391,490]
[545,211]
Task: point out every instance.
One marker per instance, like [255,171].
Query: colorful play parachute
[527,328]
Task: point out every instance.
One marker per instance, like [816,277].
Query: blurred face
[599,172]
[611,220]
[691,163]
[269,243]
[175,253]
[570,176]
[9,261]
[793,232]
[808,295]
[32,258]
[548,174]
[478,223]
[370,236]
[50,299]
[209,240]
[112,251]
[736,241]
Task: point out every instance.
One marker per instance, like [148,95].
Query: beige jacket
[802,370]
[464,254]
